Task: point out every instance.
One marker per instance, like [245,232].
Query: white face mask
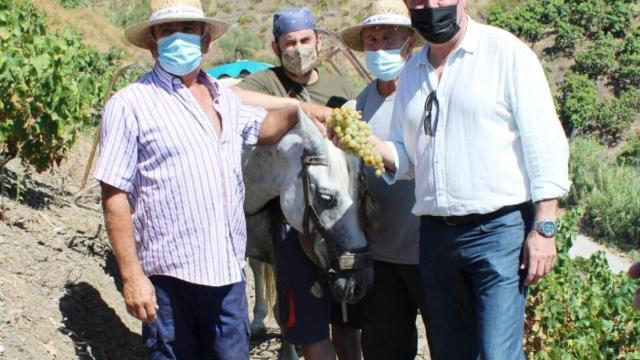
[299,60]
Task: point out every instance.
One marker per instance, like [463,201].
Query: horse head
[321,198]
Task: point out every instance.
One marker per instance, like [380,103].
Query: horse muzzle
[350,285]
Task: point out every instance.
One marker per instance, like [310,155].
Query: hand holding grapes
[350,133]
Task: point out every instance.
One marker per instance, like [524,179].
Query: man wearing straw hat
[390,307]
[173,193]
[304,317]
[475,124]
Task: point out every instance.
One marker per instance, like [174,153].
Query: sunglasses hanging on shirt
[430,120]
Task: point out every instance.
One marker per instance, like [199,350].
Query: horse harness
[341,260]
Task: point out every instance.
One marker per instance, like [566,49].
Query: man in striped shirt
[173,192]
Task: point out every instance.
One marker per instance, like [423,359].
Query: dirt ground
[59,286]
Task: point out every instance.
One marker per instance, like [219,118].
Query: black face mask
[436,25]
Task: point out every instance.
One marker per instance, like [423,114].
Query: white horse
[317,185]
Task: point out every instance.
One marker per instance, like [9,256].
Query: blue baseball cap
[292,19]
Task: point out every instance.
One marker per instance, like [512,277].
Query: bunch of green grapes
[354,134]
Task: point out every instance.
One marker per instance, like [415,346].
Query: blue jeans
[474,288]
[198,322]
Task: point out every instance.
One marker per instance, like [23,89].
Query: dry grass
[94,28]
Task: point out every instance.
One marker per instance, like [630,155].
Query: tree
[239,43]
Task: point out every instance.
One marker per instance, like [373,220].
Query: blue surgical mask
[180,53]
[386,65]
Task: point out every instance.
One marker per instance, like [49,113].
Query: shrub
[610,194]
[239,43]
[630,154]
[577,102]
[581,310]
[627,75]
[599,58]
[586,165]
[614,116]
[613,211]
[48,84]
[72,4]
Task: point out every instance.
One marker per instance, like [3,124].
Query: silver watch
[546,228]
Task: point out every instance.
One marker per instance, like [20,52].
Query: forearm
[268,102]
[276,124]
[387,152]
[119,225]
[546,210]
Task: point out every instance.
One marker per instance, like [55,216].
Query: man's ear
[275,48]
[205,43]
[153,47]
[411,41]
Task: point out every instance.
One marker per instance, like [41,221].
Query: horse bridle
[341,259]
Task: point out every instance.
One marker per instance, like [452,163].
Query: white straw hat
[164,11]
[380,12]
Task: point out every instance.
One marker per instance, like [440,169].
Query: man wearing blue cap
[304,318]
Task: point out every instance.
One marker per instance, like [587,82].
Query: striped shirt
[184,182]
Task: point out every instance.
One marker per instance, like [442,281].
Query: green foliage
[524,21]
[630,154]
[72,4]
[245,19]
[569,20]
[581,310]
[586,167]
[610,194]
[239,43]
[48,84]
[627,75]
[582,113]
[598,59]
[615,116]
[577,101]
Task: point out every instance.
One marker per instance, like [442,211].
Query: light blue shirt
[498,140]
[397,238]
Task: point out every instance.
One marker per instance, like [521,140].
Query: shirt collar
[469,42]
[171,83]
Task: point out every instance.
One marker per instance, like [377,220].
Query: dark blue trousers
[198,322]
[473,286]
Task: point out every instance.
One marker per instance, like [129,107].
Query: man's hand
[140,297]
[538,256]
[317,113]
[634,273]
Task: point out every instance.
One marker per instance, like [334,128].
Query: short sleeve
[249,119]
[118,158]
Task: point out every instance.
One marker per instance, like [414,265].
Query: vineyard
[52,88]
[49,86]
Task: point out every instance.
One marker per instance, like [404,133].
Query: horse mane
[339,169]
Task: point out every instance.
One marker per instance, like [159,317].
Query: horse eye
[328,199]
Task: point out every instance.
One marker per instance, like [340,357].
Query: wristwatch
[546,228]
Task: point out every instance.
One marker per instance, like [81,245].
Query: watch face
[548,228]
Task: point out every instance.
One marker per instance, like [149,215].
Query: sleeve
[249,119]
[118,158]
[544,144]
[404,167]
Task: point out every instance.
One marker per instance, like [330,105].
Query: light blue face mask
[180,53]
[386,65]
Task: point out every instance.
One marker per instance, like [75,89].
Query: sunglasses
[429,128]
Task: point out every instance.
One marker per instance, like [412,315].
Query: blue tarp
[235,68]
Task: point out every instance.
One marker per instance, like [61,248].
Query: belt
[478,218]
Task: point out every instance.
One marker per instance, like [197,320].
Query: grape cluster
[354,134]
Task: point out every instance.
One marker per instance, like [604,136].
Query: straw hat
[380,12]
[164,11]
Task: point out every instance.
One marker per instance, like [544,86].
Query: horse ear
[314,142]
